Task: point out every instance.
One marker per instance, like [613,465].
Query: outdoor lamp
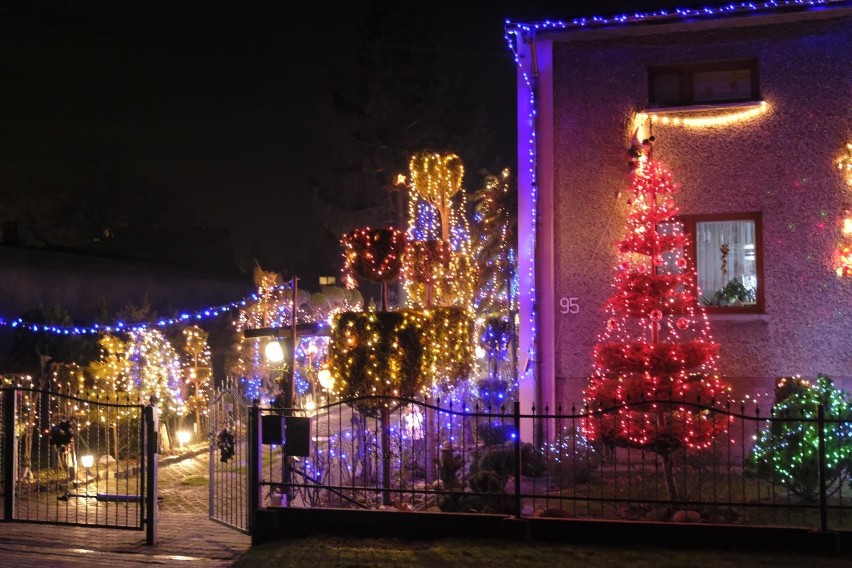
[183,438]
[325,379]
[273,351]
[87,461]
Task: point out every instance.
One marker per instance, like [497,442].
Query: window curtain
[715,267]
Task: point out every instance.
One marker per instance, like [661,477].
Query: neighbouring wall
[780,163]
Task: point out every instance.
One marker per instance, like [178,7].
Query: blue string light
[122,327]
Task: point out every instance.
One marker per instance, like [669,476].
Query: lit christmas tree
[656,345]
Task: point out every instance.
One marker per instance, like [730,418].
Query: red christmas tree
[655,362]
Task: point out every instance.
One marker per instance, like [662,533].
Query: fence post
[254,452]
[151,491]
[823,498]
[517,416]
[10,448]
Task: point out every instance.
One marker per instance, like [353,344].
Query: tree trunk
[386,456]
[668,470]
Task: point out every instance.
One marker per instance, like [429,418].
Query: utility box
[297,436]
[272,429]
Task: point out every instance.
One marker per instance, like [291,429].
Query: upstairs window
[728,255]
[703,83]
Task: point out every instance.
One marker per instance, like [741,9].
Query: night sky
[217,114]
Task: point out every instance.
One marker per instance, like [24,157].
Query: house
[750,108]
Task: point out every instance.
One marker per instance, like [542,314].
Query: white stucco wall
[780,163]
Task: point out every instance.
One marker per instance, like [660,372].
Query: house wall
[780,163]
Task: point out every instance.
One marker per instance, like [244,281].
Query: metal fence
[755,468]
[69,460]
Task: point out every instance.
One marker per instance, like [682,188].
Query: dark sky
[219,106]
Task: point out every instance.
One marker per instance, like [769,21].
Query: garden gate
[69,460]
[230,460]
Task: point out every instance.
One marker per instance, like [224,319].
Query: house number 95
[569,305]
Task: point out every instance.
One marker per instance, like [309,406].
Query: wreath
[225,443]
[62,433]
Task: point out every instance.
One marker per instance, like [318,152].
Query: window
[703,83]
[728,254]
[327,280]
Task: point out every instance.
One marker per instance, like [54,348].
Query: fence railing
[735,467]
[68,460]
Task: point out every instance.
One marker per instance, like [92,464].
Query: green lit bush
[787,451]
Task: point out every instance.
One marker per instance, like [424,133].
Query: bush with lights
[786,451]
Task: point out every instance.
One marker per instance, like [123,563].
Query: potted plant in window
[733,294]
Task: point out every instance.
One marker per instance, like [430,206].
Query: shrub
[786,452]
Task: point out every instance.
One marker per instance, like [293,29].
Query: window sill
[751,317]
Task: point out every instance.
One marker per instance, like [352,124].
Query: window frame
[689,228]
[687,82]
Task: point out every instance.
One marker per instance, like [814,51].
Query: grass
[195,481]
[343,552]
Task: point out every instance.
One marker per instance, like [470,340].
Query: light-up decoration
[197,373]
[436,178]
[843,255]
[400,353]
[844,164]
[155,370]
[183,318]
[438,269]
[273,308]
[373,254]
[518,34]
[844,250]
[495,245]
[656,343]
[787,450]
[111,372]
[716,119]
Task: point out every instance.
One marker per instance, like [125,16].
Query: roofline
[639,23]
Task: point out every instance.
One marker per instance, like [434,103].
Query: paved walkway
[186,536]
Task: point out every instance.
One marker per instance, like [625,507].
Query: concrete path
[186,536]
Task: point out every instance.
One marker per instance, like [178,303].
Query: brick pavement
[186,536]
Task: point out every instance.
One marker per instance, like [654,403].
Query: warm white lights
[183,437]
[715,119]
[87,461]
[274,352]
[326,380]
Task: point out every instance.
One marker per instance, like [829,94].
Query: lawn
[343,552]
